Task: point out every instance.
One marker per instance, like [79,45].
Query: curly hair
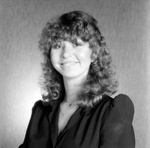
[100,79]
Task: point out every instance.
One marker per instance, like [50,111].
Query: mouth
[68,63]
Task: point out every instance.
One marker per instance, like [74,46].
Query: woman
[77,110]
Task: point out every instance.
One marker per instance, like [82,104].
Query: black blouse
[107,125]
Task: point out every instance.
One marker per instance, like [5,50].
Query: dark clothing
[107,125]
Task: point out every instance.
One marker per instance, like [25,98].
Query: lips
[69,63]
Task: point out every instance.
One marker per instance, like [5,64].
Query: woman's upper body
[107,125]
[78,69]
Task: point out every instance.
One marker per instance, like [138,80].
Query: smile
[69,63]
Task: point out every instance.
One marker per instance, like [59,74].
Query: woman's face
[71,60]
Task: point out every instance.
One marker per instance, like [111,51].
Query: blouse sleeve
[117,130]
[34,135]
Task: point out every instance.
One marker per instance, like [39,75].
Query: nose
[67,50]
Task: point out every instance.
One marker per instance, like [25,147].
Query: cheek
[54,58]
[85,56]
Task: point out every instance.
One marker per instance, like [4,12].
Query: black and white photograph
[74,74]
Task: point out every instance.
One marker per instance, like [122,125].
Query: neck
[71,89]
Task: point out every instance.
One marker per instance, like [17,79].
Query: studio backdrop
[123,23]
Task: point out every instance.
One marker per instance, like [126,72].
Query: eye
[57,45]
[76,44]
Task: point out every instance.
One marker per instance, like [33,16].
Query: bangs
[70,30]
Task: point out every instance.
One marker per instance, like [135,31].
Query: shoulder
[116,125]
[40,106]
[125,106]
[123,101]
[120,106]
[39,112]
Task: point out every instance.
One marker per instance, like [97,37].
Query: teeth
[69,63]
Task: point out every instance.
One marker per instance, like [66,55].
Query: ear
[93,58]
